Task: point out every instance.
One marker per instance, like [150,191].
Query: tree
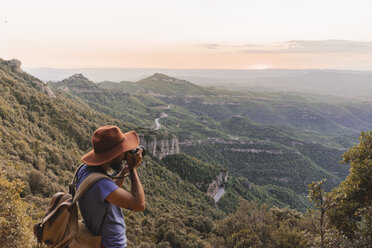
[250,226]
[350,208]
[244,239]
[318,197]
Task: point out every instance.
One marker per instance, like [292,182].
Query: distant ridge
[346,83]
[76,83]
[163,84]
[164,78]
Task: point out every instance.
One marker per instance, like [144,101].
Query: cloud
[301,46]
[211,46]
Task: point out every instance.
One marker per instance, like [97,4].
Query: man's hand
[134,160]
[134,200]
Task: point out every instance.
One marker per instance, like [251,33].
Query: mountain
[163,84]
[76,83]
[160,84]
[124,100]
[350,84]
[129,107]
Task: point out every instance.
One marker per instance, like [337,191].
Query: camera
[118,167]
[135,150]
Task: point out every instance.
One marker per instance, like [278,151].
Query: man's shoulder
[86,170]
[99,190]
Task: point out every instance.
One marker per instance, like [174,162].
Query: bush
[15,224]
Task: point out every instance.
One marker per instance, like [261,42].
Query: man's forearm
[136,188]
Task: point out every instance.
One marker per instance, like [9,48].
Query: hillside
[43,132]
[42,139]
[129,107]
[202,174]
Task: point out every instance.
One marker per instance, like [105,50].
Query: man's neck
[105,167]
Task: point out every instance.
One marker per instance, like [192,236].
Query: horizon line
[201,69]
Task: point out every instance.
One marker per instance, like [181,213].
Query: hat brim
[129,142]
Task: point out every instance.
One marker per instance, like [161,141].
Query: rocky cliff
[220,181]
[45,89]
[15,64]
[160,146]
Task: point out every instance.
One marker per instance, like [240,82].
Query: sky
[189,34]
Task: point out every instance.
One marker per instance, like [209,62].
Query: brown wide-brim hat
[108,143]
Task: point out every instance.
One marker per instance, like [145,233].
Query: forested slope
[42,138]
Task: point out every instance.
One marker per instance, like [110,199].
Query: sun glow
[259,67]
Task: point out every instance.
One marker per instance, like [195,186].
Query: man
[101,205]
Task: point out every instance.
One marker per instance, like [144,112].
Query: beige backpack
[60,226]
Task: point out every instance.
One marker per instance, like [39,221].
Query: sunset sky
[229,34]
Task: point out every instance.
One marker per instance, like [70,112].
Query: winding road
[162,115]
[157,124]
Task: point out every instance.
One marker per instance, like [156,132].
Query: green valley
[269,138]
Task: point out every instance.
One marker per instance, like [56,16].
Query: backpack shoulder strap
[85,185]
[72,186]
[87,182]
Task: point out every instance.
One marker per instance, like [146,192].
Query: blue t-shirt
[93,206]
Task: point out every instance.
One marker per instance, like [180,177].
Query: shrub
[15,224]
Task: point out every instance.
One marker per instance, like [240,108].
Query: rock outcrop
[15,64]
[160,146]
[220,181]
[45,89]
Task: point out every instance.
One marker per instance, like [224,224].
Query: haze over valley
[341,83]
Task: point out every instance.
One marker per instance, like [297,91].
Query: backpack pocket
[84,238]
